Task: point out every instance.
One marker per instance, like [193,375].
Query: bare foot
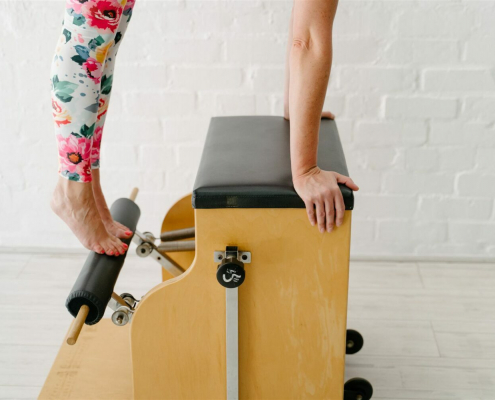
[75,204]
[113,227]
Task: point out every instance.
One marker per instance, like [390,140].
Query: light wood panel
[98,366]
[292,313]
[180,216]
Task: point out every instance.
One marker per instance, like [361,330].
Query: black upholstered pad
[246,164]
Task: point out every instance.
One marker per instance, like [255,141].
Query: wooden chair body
[292,313]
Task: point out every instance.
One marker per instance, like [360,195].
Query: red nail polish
[126,246]
[116,254]
[111,253]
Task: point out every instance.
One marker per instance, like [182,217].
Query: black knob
[230,272]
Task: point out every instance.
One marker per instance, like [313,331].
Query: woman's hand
[322,196]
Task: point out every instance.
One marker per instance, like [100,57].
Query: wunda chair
[253,301]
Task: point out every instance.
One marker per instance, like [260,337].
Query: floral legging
[81,79]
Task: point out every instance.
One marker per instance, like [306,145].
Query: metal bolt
[350,344]
[120,318]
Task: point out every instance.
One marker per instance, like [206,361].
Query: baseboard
[411,258]
[357,258]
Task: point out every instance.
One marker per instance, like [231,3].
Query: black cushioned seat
[246,164]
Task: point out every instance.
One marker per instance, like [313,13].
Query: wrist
[302,172]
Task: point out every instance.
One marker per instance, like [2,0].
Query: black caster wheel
[358,389]
[354,342]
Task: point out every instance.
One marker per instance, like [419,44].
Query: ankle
[72,189]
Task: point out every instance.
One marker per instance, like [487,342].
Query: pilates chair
[253,302]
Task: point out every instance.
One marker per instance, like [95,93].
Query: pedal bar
[96,281]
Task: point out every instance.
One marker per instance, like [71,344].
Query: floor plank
[19,392]
[11,265]
[396,338]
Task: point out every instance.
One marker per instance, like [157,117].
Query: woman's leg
[113,227]
[89,30]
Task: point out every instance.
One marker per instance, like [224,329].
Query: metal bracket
[146,247]
[244,256]
[123,308]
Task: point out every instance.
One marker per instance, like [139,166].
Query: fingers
[323,199]
[330,214]
[346,181]
[311,212]
[320,215]
[327,115]
[339,208]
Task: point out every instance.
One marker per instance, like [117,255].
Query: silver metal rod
[167,247]
[232,342]
[167,263]
[178,234]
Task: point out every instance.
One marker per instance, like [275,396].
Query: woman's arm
[307,77]
[287,68]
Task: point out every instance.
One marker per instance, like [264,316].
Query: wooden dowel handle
[77,325]
[134,194]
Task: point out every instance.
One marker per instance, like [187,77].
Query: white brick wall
[413,88]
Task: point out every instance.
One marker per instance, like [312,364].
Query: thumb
[346,181]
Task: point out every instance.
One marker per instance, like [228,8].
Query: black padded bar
[246,164]
[96,281]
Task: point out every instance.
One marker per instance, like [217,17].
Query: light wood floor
[429,328]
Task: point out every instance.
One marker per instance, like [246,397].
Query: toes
[122,233]
[121,226]
[109,248]
[123,230]
[114,251]
[98,249]
[114,247]
[119,246]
